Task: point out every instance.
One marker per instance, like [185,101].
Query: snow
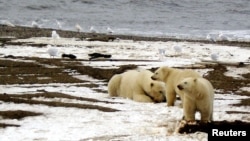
[134,121]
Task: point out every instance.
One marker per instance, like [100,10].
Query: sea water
[201,19]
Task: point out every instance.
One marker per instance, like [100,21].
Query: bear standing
[137,85]
[172,77]
[198,96]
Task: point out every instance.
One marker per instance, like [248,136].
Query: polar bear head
[157,91]
[161,73]
[198,87]
[187,84]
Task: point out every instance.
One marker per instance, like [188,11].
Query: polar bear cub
[172,77]
[198,96]
[137,85]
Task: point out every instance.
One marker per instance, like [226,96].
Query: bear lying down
[137,85]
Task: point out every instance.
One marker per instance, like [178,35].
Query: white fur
[137,85]
[198,96]
[172,77]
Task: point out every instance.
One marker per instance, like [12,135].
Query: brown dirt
[226,83]
[14,72]
[18,114]
[27,32]
[27,99]
[3,125]
[229,84]
[221,125]
[23,72]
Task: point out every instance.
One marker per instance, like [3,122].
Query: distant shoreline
[22,32]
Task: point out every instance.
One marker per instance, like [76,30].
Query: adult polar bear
[137,85]
[198,96]
[172,77]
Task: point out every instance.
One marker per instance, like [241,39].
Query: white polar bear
[172,77]
[198,96]
[137,85]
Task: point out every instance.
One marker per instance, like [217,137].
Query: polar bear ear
[151,84]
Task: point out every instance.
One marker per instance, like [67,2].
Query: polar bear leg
[189,110]
[171,96]
[206,115]
[141,98]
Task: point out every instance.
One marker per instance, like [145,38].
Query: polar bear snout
[153,78]
[159,98]
[180,87]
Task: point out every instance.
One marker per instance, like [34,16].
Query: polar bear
[137,85]
[198,96]
[171,77]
